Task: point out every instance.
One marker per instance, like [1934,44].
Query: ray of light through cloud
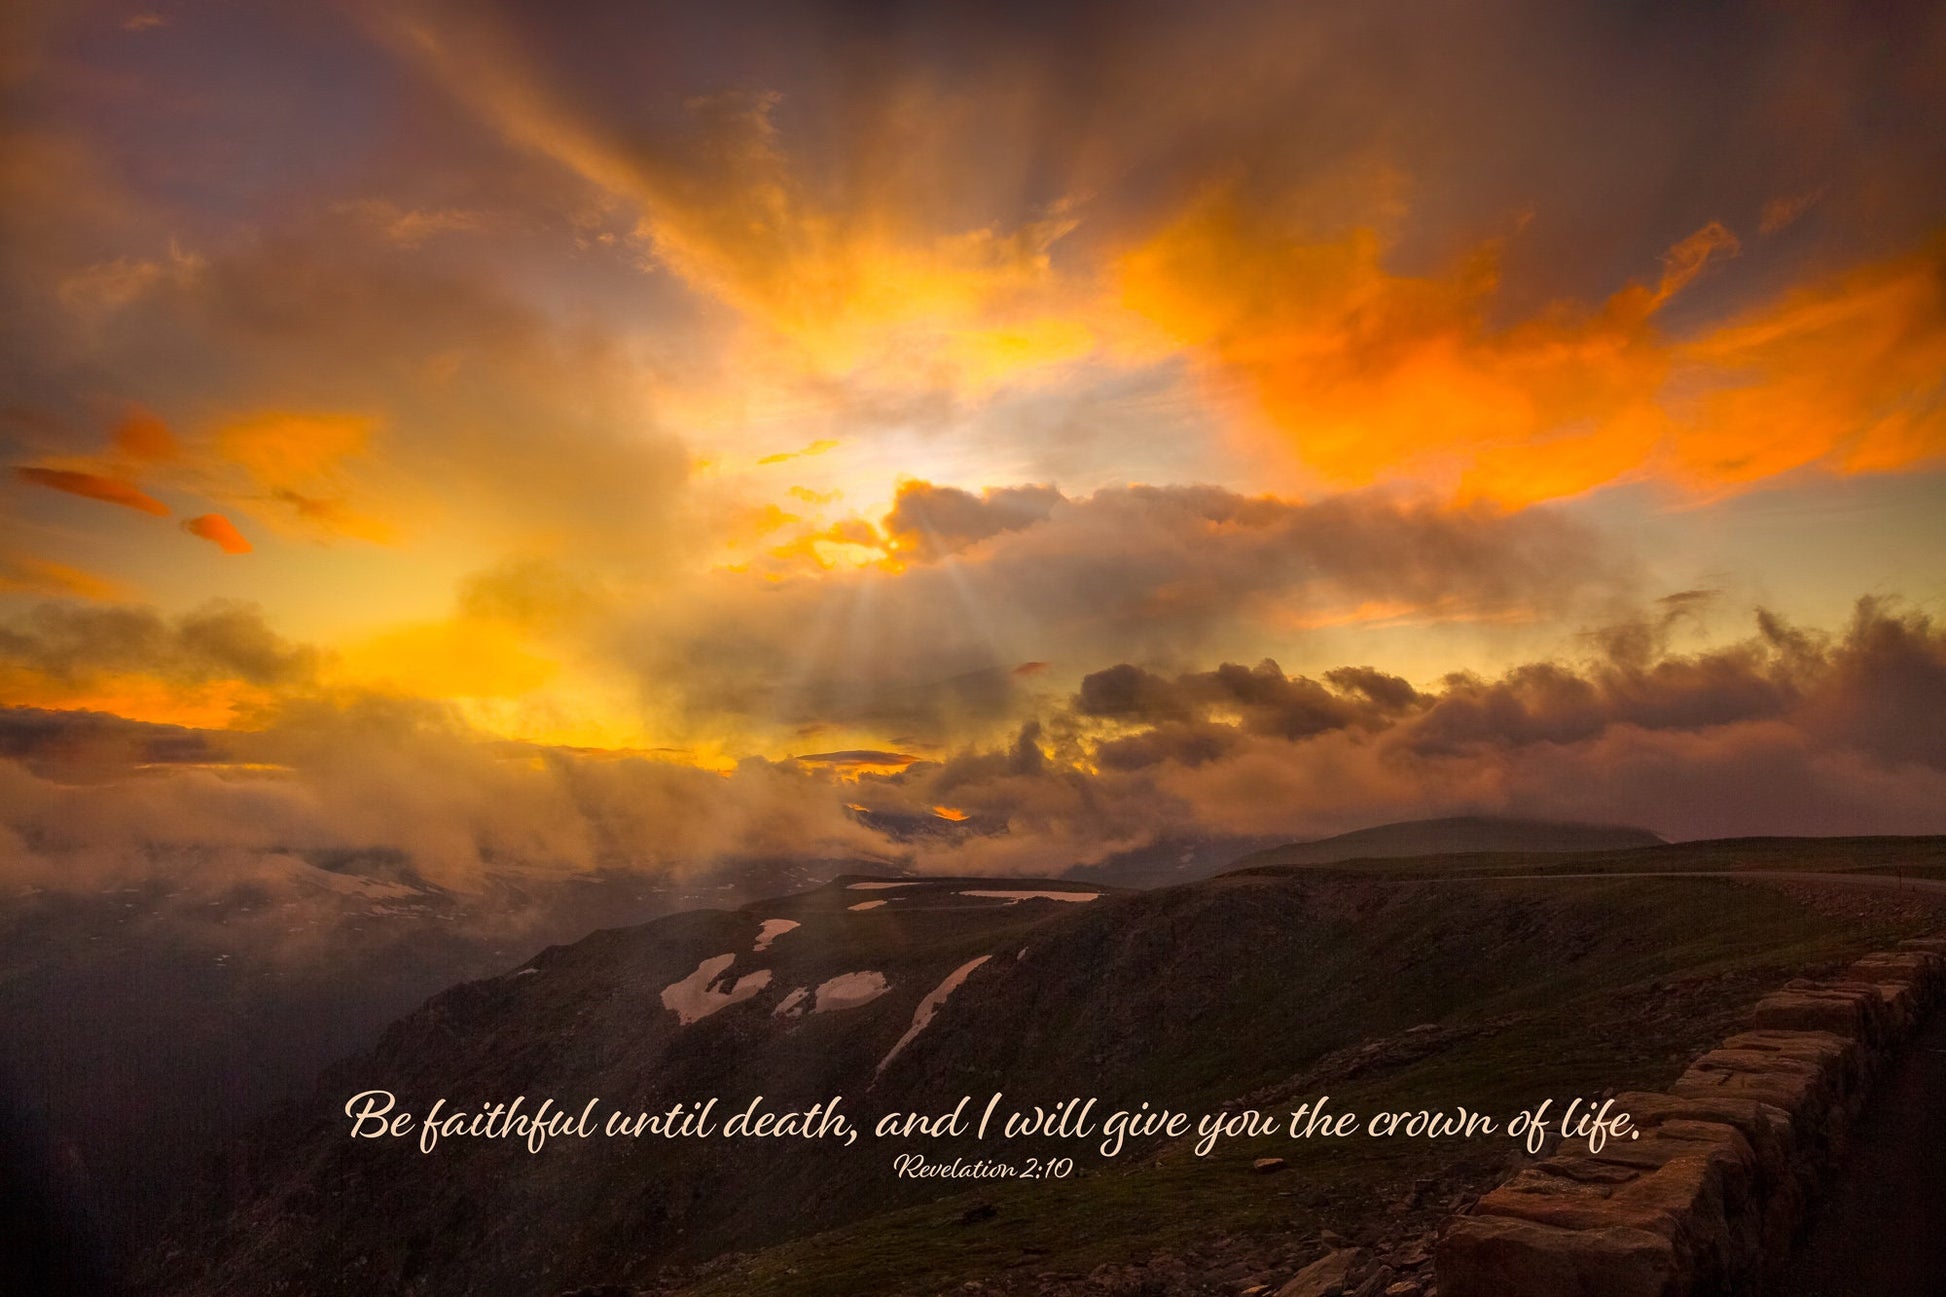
[616,423]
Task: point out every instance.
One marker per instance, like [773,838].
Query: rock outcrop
[1324,1276]
[1708,1194]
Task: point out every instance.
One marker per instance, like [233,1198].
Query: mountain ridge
[1172,860]
[1456,835]
[1191,996]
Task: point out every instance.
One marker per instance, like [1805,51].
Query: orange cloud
[219,531]
[815,448]
[849,542]
[216,661]
[145,437]
[209,704]
[863,289]
[282,448]
[1369,376]
[93,486]
[1848,374]
[20,574]
[854,531]
[1374,376]
[297,461]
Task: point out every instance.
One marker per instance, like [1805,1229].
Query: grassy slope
[1188,997]
[1816,855]
[1698,952]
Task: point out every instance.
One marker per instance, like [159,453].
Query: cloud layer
[1787,732]
[967,587]
[954,407]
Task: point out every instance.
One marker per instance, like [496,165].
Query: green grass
[1674,966]
[1816,855]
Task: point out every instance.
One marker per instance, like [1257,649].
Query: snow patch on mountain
[1011,897]
[693,1000]
[923,1015]
[771,930]
[849,990]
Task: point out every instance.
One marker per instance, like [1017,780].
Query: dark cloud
[218,641]
[1383,690]
[1155,576]
[1138,94]
[1883,689]
[1197,717]
[984,117]
[930,522]
[69,742]
[1788,732]
[513,229]
[1876,690]
[389,775]
[1273,704]
[1189,743]
[1125,692]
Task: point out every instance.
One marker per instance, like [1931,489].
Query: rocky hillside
[901,996]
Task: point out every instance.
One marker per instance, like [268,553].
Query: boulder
[1850,1009]
[1780,1182]
[1923,968]
[1691,1183]
[1844,1061]
[1811,1076]
[1489,1256]
[1374,1283]
[1910,982]
[1904,1007]
[1807,1077]
[1765,1127]
[1326,1276]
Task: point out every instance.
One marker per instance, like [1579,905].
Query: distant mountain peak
[1456,835]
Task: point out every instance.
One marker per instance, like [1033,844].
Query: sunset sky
[639,434]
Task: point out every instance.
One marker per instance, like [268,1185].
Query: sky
[973,436]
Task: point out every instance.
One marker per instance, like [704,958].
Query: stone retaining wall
[1708,1198]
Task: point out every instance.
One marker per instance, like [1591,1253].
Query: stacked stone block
[1708,1196]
